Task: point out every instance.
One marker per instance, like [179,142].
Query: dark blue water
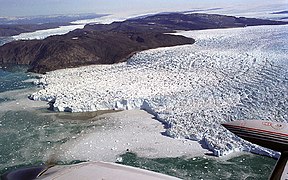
[13,77]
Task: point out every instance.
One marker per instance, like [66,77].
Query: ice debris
[226,75]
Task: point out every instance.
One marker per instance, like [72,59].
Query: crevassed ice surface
[228,74]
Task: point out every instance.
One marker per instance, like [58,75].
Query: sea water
[32,137]
[14,77]
[246,166]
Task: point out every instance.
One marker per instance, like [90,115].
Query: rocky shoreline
[115,42]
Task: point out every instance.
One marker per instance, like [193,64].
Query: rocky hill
[115,42]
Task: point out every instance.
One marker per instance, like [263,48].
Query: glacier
[42,34]
[79,24]
[228,74]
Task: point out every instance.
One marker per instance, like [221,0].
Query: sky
[51,7]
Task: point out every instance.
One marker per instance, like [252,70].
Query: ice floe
[226,75]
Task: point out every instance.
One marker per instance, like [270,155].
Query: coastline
[136,130]
[151,141]
[20,101]
[107,137]
[161,110]
[191,88]
[111,43]
[86,146]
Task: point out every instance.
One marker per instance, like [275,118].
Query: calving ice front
[223,76]
[226,75]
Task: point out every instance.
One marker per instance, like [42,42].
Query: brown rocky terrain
[85,48]
[115,42]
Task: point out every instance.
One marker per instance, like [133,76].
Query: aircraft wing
[272,135]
